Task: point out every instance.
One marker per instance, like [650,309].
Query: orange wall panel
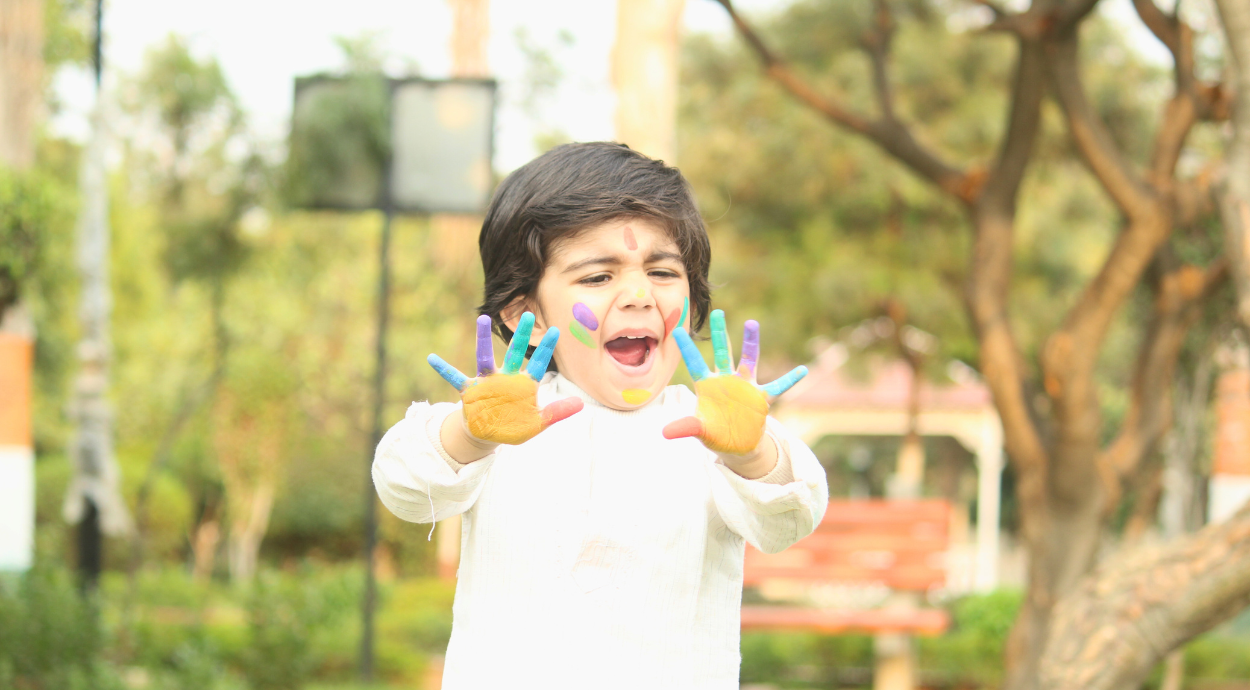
[16,366]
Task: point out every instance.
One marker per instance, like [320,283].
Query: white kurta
[598,554]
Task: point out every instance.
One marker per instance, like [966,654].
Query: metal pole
[92,447]
[379,400]
[379,385]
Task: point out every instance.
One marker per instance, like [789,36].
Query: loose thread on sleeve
[430,536]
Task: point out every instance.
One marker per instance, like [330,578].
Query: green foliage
[339,143]
[284,615]
[793,658]
[189,95]
[50,636]
[970,654]
[292,629]
[972,651]
[32,207]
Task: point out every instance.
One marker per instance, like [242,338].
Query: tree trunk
[1234,193]
[21,80]
[1112,631]
[644,72]
[204,542]
[250,437]
[249,521]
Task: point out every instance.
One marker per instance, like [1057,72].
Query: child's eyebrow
[664,256]
[616,260]
[603,260]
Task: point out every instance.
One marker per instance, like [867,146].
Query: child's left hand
[732,406]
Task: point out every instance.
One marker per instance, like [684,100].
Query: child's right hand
[502,407]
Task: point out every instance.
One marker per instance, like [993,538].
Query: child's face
[616,291]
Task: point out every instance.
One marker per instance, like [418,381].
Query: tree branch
[1165,28]
[890,135]
[1090,134]
[1178,303]
[1134,609]
[876,42]
[1073,12]
[1234,192]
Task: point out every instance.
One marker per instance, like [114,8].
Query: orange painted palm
[732,407]
[502,406]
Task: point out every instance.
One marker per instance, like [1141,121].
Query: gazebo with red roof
[829,401]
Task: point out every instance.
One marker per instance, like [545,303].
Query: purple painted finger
[485,349]
[750,347]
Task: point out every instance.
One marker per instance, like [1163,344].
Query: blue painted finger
[784,383]
[720,343]
[449,373]
[542,354]
[520,343]
[485,351]
[690,354]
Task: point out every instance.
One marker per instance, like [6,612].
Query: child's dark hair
[574,187]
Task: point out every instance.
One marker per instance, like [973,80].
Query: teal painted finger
[542,354]
[720,343]
[449,373]
[784,383]
[691,355]
[520,343]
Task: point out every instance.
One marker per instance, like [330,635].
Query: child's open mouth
[631,351]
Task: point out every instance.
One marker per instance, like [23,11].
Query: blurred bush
[50,636]
[286,615]
[972,651]
[289,629]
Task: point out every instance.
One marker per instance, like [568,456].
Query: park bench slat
[899,544]
[915,621]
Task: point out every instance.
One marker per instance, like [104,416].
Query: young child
[605,551]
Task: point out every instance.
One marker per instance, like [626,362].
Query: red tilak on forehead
[630,243]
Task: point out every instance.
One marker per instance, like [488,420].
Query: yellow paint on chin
[635,396]
[733,413]
[501,408]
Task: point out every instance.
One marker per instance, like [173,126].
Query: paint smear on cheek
[585,316]
[676,317]
[635,396]
[580,333]
[630,243]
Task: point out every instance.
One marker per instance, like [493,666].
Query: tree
[1070,479]
[202,193]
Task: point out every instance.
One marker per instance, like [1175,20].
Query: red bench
[899,544]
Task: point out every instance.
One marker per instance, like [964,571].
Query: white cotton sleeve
[769,514]
[415,478]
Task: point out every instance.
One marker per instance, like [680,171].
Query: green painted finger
[720,343]
[520,343]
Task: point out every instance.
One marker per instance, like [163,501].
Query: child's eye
[598,279]
[664,273]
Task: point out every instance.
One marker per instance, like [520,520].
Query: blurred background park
[1007,238]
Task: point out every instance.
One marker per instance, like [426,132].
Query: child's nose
[637,294]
